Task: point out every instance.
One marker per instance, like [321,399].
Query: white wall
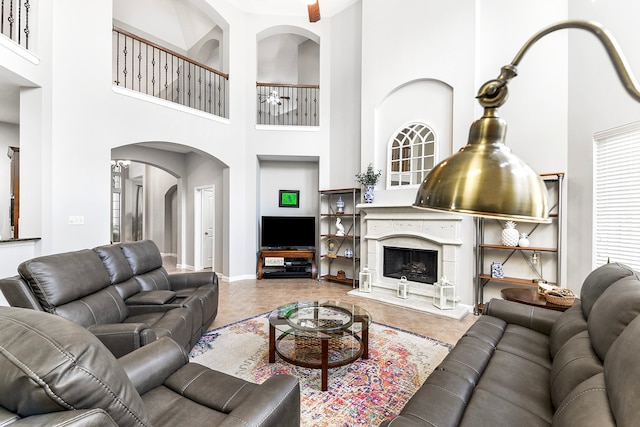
[278,59]
[342,159]
[288,175]
[597,102]
[157,183]
[308,63]
[12,254]
[416,45]
[9,137]
[536,112]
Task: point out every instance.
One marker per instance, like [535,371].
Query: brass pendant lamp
[485,178]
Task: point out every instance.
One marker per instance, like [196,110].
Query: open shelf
[516,280]
[340,257]
[347,281]
[518,248]
[339,214]
[296,263]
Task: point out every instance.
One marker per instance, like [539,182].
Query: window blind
[617,196]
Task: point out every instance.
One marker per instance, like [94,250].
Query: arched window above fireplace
[412,154]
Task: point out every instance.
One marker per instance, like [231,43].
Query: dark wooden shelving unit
[297,263]
[330,264]
[554,183]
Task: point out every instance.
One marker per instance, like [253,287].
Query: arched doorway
[170,173]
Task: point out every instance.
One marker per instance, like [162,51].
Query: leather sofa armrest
[18,294]
[192,279]
[535,318]
[276,402]
[135,310]
[157,297]
[76,418]
[149,366]
[190,302]
[119,338]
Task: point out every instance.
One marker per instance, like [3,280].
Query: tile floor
[246,298]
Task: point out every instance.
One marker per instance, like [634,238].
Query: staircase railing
[287,104]
[14,21]
[145,67]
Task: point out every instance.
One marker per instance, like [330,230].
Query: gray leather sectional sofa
[53,372]
[121,293]
[526,366]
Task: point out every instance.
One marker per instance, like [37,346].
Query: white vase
[523,242]
[368,193]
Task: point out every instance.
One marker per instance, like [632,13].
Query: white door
[207,238]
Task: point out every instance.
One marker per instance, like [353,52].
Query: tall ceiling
[291,7]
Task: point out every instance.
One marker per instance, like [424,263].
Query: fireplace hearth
[417,265]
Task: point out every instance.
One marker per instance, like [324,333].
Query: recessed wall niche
[426,101]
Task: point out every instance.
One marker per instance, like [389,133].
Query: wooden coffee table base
[324,364]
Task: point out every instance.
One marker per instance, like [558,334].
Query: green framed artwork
[289,199]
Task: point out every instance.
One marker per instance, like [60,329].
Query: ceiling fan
[314,10]
[273,98]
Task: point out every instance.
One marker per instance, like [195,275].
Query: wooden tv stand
[291,254]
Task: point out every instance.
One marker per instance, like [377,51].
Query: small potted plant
[368,179]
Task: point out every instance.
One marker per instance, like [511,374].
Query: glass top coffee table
[319,334]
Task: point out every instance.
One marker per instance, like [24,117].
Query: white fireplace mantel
[408,227]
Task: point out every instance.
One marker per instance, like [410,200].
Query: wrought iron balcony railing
[14,21]
[145,67]
[287,105]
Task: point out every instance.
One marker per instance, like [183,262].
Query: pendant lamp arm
[494,93]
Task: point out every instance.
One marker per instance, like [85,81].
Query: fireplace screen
[418,265]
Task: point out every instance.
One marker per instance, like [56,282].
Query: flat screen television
[288,232]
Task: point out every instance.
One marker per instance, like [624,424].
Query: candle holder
[444,297]
[403,288]
[364,280]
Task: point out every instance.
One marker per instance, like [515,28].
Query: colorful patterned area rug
[363,393]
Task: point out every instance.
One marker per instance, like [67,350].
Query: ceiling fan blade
[314,11]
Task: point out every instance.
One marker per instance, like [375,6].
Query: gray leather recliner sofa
[53,372]
[527,366]
[120,293]
[136,271]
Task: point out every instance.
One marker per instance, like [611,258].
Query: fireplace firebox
[417,265]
